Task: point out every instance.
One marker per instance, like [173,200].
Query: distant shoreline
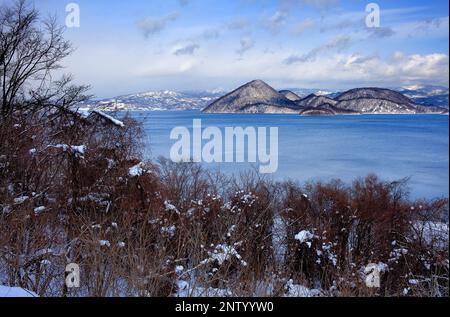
[273,114]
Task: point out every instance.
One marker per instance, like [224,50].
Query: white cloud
[151,25]
[337,43]
[188,49]
[336,71]
[247,43]
[238,23]
[210,46]
[146,69]
[275,22]
[381,32]
[318,4]
[303,26]
[183,3]
[427,27]
[211,33]
[399,69]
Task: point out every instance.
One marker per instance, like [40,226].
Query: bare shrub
[74,188]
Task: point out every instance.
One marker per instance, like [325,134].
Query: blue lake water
[324,148]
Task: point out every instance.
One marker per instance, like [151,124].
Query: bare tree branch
[31,49]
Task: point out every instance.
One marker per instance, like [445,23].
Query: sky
[142,45]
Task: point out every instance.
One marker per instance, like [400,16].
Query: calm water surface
[324,148]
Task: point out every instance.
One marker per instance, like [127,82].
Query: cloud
[301,27]
[399,22]
[346,23]
[238,24]
[343,20]
[338,43]
[416,66]
[320,4]
[381,32]
[274,23]
[221,48]
[183,3]
[247,43]
[356,70]
[399,69]
[429,25]
[187,50]
[141,69]
[356,59]
[317,4]
[151,25]
[211,34]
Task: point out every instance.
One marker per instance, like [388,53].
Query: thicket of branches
[31,50]
[74,189]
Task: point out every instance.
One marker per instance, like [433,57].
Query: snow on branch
[78,150]
[108,118]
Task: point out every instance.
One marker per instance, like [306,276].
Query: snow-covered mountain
[156,101]
[259,97]
[198,100]
[421,94]
[427,95]
[164,100]
[366,101]
[254,97]
[304,92]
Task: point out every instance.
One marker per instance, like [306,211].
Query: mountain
[375,100]
[259,97]
[326,109]
[290,95]
[314,101]
[304,92]
[440,101]
[253,97]
[423,90]
[320,105]
[156,100]
[427,95]
[374,93]
[378,100]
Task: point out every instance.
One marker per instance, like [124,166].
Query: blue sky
[139,45]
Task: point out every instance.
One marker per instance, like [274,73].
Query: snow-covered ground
[435,234]
[15,292]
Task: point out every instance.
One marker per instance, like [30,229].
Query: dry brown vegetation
[165,225]
[75,189]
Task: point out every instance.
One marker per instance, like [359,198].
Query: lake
[325,148]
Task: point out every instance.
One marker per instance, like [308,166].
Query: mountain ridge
[259,97]
[169,100]
[253,97]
